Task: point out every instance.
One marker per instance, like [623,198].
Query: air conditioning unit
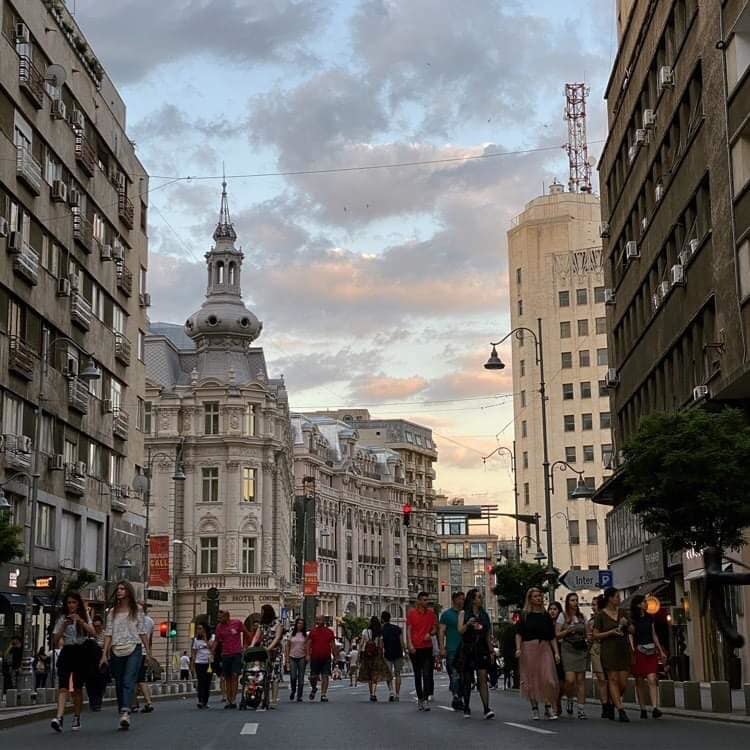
[693,245]
[74,281]
[664,289]
[74,197]
[656,300]
[684,256]
[23,36]
[649,119]
[118,253]
[106,252]
[631,250]
[4,227]
[15,242]
[658,192]
[641,137]
[59,191]
[77,119]
[58,111]
[611,379]
[57,462]
[604,229]
[609,296]
[700,392]
[23,444]
[63,287]
[666,78]
[677,275]
[145,299]
[71,368]
[107,406]
[80,469]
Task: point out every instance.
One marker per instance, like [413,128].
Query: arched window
[220,272]
[232,280]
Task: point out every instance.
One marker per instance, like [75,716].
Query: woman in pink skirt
[537,652]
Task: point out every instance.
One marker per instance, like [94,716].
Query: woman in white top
[125,645]
[200,659]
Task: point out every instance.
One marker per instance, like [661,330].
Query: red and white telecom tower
[577,146]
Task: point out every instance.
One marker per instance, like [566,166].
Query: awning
[13,598]
[646,589]
[694,575]
[611,490]
[46,600]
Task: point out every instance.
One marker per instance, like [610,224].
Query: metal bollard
[666,693]
[691,692]
[11,698]
[24,697]
[721,698]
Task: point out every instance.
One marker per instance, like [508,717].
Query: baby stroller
[254,678]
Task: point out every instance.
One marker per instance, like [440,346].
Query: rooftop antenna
[577,146]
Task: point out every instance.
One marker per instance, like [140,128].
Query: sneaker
[76,726]
[324,699]
[420,706]
[147,709]
[644,713]
[292,696]
[457,705]
[227,706]
[569,707]
[125,721]
[312,693]
[299,699]
[467,713]
[57,723]
[622,716]
[426,706]
[135,709]
[535,714]
[547,714]
[489,714]
[373,699]
[656,713]
[552,716]
[391,698]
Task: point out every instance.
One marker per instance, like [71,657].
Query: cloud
[169,121]
[457,456]
[382,387]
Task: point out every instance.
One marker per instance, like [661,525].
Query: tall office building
[555,268]
[73,243]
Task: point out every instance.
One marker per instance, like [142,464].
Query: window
[570,485]
[478,549]
[592,531]
[142,283]
[607,454]
[524,429]
[210,476]
[741,163]
[518,276]
[92,557]
[583,328]
[599,294]
[573,533]
[605,420]
[525,459]
[585,389]
[69,542]
[95,459]
[147,417]
[248,484]
[248,554]
[118,318]
[115,393]
[209,554]
[140,414]
[526,493]
[211,417]
[249,417]
[12,415]
[522,367]
[588,452]
[567,391]
[520,307]
[45,515]
[601,357]
[97,301]
[141,345]
[70,452]
[587,422]
[563,298]
[584,358]
[566,360]
[455,549]
[570,454]
[47,434]
[569,423]
[601,325]
[565,329]
[582,296]
[603,390]
[523,399]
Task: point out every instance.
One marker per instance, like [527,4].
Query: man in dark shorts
[229,634]
[321,646]
[393,651]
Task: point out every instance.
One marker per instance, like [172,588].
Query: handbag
[647,649]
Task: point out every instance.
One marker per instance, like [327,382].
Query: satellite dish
[55,75]
[591,161]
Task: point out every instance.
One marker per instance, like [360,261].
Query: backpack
[371,648]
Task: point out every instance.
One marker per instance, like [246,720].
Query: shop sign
[13,578]
[653,560]
[310,578]
[158,560]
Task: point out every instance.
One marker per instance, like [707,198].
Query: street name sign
[577,580]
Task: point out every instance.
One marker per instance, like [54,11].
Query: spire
[224,229]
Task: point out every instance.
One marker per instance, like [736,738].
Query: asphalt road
[349,720]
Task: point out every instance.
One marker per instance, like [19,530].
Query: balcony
[31,81]
[21,358]
[85,154]
[17,452]
[78,395]
[80,311]
[125,209]
[120,423]
[28,169]
[124,279]
[75,483]
[117,499]
[243,582]
[83,231]
[122,349]
[26,264]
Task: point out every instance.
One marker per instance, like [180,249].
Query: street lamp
[512,454]
[194,550]
[582,491]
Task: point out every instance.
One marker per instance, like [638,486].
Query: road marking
[249,728]
[446,708]
[530,729]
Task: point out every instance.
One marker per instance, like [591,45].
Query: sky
[377,287]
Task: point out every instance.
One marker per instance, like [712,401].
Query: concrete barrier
[666,694]
[721,697]
[11,698]
[155,689]
[691,692]
[24,698]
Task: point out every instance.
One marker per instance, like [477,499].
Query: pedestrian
[647,650]
[538,655]
[353,665]
[268,635]
[216,662]
[201,661]
[321,647]
[125,646]
[72,629]
[595,651]
[393,652]
[142,685]
[228,635]
[475,651]
[372,665]
[611,629]
[571,634]
[421,623]
[450,640]
[295,655]
[554,610]
[510,662]
[493,673]
[12,663]
[184,666]
[41,669]
[98,676]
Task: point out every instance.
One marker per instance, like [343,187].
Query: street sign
[310,578]
[577,580]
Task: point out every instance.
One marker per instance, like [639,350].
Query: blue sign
[284,613]
[606,579]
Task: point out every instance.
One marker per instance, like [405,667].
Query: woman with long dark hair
[571,633]
[125,645]
[595,651]
[200,660]
[611,630]
[296,662]
[475,651]
[647,650]
[554,610]
[268,636]
[71,632]
[372,665]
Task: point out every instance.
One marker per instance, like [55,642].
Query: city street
[349,720]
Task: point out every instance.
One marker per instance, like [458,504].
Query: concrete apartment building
[360,538]
[675,177]
[72,294]
[214,412]
[555,269]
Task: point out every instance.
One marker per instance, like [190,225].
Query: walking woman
[125,645]
[268,636]
[295,658]
[475,651]
[647,649]
[372,665]
[554,611]
[611,630]
[71,632]
[537,652]
[595,650]
[41,669]
[200,661]
[571,634]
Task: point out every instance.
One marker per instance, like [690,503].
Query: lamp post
[512,454]
[582,491]
[194,550]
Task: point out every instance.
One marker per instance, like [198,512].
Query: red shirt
[320,643]
[229,634]
[421,625]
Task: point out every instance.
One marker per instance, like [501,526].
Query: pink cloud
[382,387]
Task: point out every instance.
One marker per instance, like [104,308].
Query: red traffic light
[406,508]
[163,629]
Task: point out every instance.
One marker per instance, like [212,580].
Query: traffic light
[173,629]
[406,508]
[163,629]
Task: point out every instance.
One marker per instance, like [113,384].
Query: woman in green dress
[611,631]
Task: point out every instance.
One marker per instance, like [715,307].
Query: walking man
[393,651]
[450,640]
[321,647]
[421,623]
[229,634]
[143,686]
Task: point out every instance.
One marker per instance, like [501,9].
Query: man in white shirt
[184,666]
[143,686]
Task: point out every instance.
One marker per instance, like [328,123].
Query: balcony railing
[80,311]
[120,423]
[28,169]
[117,498]
[22,358]
[83,231]
[124,279]
[31,81]
[17,450]
[85,154]
[122,349]
[125,209]
[26,264]
[78,395]
[245,581]
[75,484]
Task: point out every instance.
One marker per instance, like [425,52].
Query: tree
[515,578]
[353,626]
[687,477]
[11,545]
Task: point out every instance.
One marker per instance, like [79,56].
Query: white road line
[530,729]
[249,728]
[446,708]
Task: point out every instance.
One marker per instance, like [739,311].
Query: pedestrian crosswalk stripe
[530,729]
[249,728]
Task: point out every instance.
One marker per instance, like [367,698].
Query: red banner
[158,560]
[310,576]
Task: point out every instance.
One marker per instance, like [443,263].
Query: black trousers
[204,682]
[423,665]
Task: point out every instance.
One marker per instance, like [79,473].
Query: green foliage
[353,625]
[79,581]
[11,545]
[687,476]
[515,578]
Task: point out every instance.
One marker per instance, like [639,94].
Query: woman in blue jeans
[125,645]
[296,660]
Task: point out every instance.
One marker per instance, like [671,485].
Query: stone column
[267,515]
